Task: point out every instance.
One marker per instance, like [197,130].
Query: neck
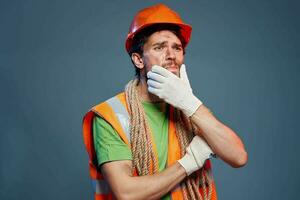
[145,95]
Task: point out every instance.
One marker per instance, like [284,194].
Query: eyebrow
[159,43]
[164,42]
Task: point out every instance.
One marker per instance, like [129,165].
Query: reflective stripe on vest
[101,186]
[121,114]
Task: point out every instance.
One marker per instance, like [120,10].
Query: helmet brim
[185,32]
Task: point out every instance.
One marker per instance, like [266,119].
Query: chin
[174,71]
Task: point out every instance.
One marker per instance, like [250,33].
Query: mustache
[165,65]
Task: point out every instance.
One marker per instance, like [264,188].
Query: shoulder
[115,113]
[110,103]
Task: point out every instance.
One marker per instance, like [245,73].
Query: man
[154,140]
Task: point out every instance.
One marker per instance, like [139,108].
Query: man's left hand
[173,89]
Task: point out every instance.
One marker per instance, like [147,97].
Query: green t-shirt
[110,147]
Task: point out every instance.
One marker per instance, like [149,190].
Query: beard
[172,66]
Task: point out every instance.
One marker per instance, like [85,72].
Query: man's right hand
[174,90]
[196,154]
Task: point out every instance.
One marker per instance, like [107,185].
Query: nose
[170,54]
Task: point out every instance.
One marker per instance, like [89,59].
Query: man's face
[163,48]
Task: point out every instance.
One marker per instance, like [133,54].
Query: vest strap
[121,114]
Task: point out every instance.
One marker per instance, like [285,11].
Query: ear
[137,60]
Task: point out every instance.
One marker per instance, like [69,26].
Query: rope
[144,158]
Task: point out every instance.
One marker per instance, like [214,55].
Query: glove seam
[194,157]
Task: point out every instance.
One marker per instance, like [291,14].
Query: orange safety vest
[114,111]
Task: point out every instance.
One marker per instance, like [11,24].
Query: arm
[177,92]
[223,141]
[114,158]
[125,186]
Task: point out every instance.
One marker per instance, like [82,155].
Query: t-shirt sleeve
[108,144]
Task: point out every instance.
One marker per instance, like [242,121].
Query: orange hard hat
[157,14]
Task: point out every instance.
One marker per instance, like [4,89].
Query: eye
[178,48]
[158,48]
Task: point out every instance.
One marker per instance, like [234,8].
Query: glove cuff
[192,104]
[188,163]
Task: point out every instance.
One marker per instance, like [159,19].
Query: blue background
[58,58]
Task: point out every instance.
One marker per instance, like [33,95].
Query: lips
[172,68]
[170,65]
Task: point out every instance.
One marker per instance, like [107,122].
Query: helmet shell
[157,14]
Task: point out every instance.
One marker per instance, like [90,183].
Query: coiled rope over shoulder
[144,157]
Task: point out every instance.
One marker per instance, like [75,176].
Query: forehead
[163,36]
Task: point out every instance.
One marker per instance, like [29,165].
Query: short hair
[142,37]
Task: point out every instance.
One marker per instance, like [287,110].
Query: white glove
[172,89]
[196,154]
